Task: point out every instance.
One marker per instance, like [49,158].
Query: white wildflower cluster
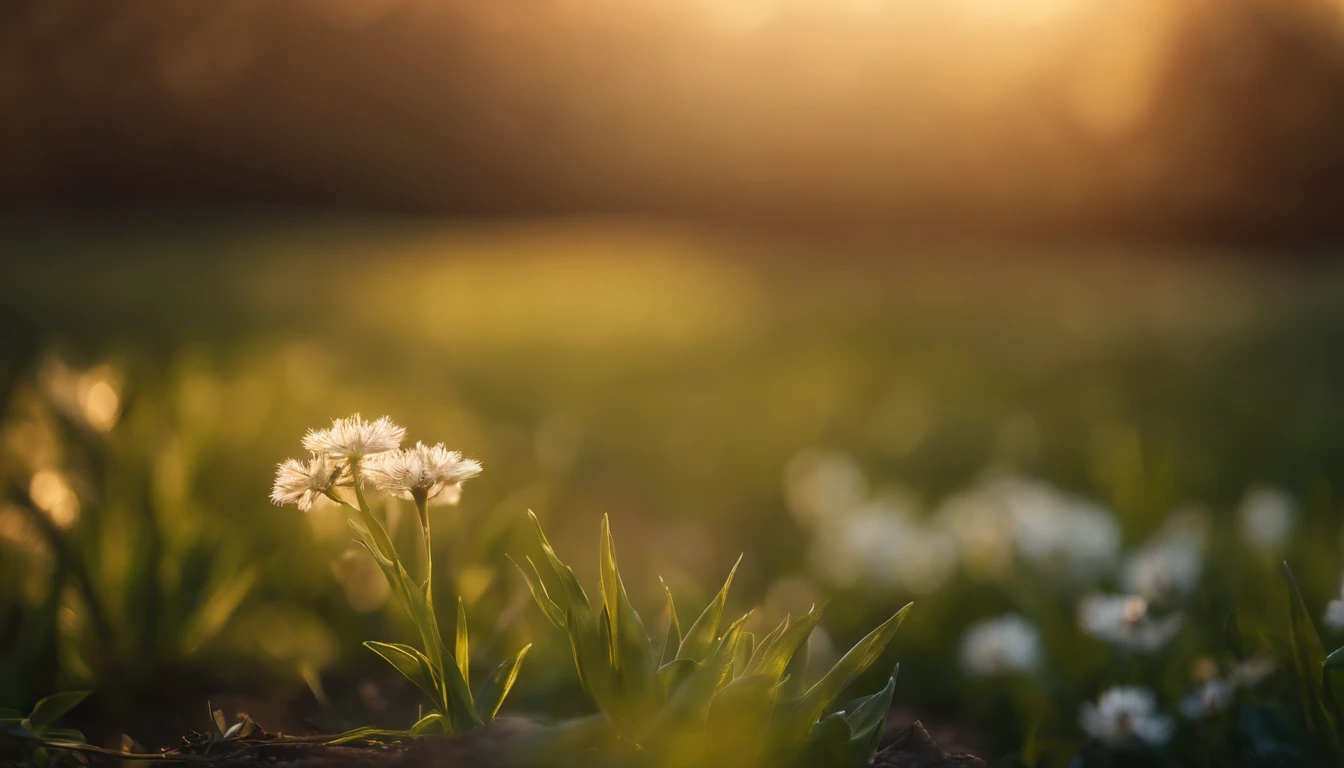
[882,539]
[421,473]
[1001,645]
[1125,714]
[1124,622]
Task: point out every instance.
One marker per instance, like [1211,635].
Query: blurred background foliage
[713,392]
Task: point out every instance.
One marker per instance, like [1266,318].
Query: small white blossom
[1267,519]
[1170,563]
[424,471]
[1250,672]
[1008,643]
[301,482]
[1334,612]
[1125,713]
[1208,699]
[1123,621]
[354,438]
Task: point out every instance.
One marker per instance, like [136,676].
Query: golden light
[50,492]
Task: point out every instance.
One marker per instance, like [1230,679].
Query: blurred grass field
[667,376]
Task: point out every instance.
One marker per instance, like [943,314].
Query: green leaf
[696,643]
[553,612]
[411,663]
[571,595]
[867,717]
[739,714]
[809,708]
[591,661]
[773,657]
[630,650]
[793,682]
[461,651]
[742,654]
[1308,656]
[434,718]
[47,711]
[461,706]
[490,696]
[671,675]
[672,640]
[1335,660]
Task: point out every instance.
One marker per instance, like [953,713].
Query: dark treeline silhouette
[814,118]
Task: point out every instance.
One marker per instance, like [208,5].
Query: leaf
[461,706]
[739,714]
[411,663]
[793,682]
[553,612]
[630,651]
[808,709]
[696,643]
[672,640]
[47,711]
[671,675]
[490,696]
[461,651]
[571,596]
[430,720]
[1308,656]
[867,717]
[742,654]
[774,658]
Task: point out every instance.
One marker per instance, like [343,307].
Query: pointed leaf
[47,711]
[672,640]
[696,643]
[742,654]
[631,651]
[538,588]
[867,717]
[571,595]
[490,696]
[1308,656]
[860,657]
[672,674]
[460,650]
[774,660]
[411,663]
[461,706]
[434,719]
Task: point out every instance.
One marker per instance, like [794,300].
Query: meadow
[1084,464]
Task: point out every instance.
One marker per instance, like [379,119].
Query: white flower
[1170,563]
[1334,612]
[1123,621]
[983,530]
[1250,672]
[882,544]
[1124,713]
[354,438]
[422,472]
[1008,643]
[1208,699]
[1053,529]
[300,482]
[1267,518]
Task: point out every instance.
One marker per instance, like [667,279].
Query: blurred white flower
[881,544]
[1053,529]
[1124,713]
[1208,699]
[1123,621]
[423,472]
[1008,643]
[300,482]
[1267,518]
[820,486]
[1169,564]
[354,438]
[1252,671]
[983,530]
[1334,612]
